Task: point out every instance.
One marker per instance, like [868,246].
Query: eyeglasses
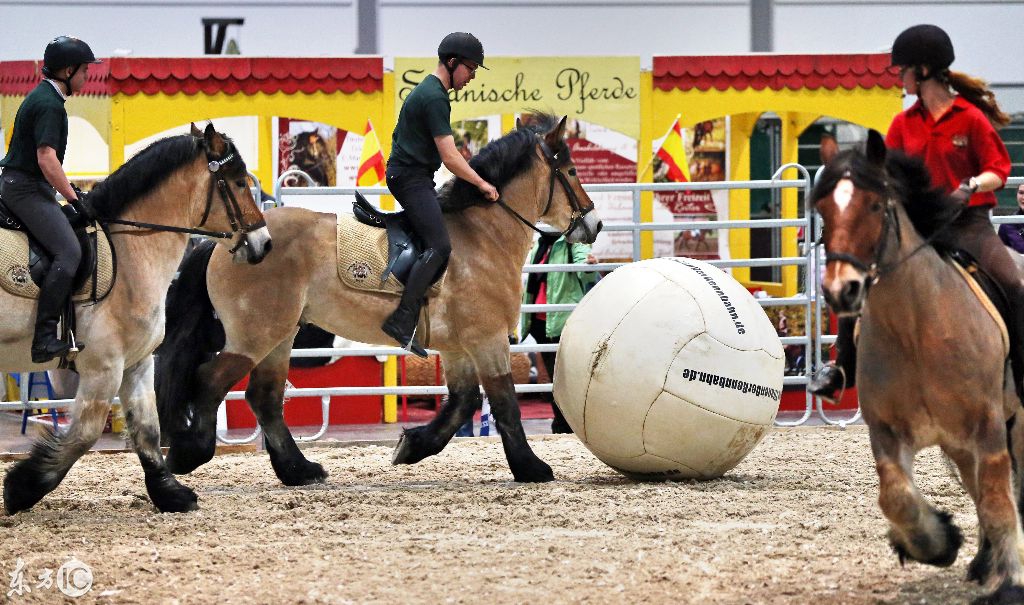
[472,68]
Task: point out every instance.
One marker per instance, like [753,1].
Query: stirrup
[842,388]
[74,350]
[414,347]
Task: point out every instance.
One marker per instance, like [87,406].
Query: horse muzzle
[845,295]
[586,230]
[253,247]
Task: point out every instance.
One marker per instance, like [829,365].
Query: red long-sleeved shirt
[962,143]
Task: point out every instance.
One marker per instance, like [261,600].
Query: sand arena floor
[796,522]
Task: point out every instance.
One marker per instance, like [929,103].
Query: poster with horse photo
[705,147]
[310,147]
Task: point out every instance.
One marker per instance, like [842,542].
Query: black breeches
[32,201]
[414,190]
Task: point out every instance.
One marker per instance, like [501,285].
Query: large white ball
[669,369]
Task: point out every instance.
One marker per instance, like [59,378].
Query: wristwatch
[969,186]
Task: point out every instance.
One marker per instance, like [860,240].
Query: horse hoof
[981,566]
[1006,594]
[535,471]
[412,447]
[168,495]
[186,455]
[24,487]
[305,473]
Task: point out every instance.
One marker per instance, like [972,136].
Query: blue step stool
[36,379]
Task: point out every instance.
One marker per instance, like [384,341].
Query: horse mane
[146,171]
[499,162]
[927,207]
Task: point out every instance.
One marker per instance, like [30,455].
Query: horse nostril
[851,293]
[600,225]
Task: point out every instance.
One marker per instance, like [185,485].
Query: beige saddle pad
[363,256]
[16,279]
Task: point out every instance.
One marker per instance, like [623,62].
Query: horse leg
[495,370]
[139,401]
[417,443]
[194,446]
[53,454]
[997,514]
[917,531]
[266,397]
[966,463]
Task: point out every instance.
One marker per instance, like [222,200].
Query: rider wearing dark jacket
[955,135]
[33,170]
[421,142]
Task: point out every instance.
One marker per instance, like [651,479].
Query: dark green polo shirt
[426,113]
[41,120]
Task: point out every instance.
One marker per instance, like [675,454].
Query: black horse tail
[193,335]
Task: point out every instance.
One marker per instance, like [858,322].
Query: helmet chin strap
[65,81]
[451,72]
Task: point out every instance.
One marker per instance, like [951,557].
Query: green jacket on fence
[562,287]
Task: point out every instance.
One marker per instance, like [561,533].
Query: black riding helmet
[460,45]
[923,45]
[65,51]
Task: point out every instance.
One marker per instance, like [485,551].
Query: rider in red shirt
[955,135]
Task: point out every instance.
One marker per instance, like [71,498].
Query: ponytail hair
[977,92]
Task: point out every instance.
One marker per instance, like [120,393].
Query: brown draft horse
[262,306]
[931,363]
[182,183]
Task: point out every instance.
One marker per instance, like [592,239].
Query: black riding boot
[843,373]
[53,295]
[401,324]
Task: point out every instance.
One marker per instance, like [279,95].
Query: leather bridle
[578,210]
[891,221]
[233,210]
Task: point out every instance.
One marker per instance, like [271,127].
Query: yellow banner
[601,90]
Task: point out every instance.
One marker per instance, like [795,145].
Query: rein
[578,211]
[231,208]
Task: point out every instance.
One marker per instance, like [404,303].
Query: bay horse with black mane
[470,319]
[174,186]
[932,361]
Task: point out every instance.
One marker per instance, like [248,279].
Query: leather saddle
[404,247]
[39,261]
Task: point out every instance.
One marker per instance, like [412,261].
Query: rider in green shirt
[33,171]
[421,142]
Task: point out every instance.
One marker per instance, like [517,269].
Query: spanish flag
[371,160]
[673,154]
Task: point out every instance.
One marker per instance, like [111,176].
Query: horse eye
[876,207]
[241,183]
[572,171]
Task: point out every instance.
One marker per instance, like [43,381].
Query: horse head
[856,205]
[568,207]
[228,203]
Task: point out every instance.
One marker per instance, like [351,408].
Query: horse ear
[519,123]
[195,131]
[214,140]
[555,135]
[828,148]
[875,148]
